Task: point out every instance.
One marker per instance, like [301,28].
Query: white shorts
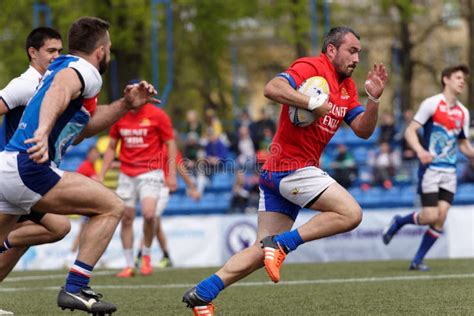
[145,185]
[162,201]
[24,182]
[289,191]
[433,180]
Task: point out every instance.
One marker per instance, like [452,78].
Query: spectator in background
[193,153]
[407,152]
[387,129]
[266,139]
[87,166]
[244,120]
[245,192]
[192,148]
[245,148]
[385,164]
[193,124]
[216,150]
[266,121]
[409,158]
[264,145]
[212,122]
[344,167]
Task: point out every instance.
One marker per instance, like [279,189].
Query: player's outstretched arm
[135,96]
[109,157]
[411,137]
[364,124]
[466,148]
[172,150]
[65,87]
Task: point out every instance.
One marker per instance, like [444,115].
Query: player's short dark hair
[86,34]
[448,71]
[38,36]
[336,35]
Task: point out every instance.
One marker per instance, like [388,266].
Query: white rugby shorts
[145,185]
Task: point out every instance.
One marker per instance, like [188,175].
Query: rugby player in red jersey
[290,179]
[142,134]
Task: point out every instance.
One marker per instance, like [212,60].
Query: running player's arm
[465,145]
[424,113]
[411,136]
[109,156]
[3,107]
[466,148]
[184,173]
[135,96]
[172,150]
[66,86]
[279,90]
[364,124]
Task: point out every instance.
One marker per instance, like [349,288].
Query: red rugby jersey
[87,168]
[298,147]
[142,135]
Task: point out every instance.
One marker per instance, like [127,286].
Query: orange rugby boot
[126,273]
[197,304]
[146,268]
[274,257]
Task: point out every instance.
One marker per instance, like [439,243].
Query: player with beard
[62,111]
[290,179]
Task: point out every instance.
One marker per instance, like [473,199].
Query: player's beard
[103,64]
[345,72]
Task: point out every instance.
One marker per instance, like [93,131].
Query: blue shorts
[289,191]
[24,182]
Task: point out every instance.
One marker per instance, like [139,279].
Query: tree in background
[266,34]
[468,14]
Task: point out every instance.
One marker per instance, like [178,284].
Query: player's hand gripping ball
[314,87]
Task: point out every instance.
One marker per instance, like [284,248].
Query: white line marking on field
[50,276]
[296,282]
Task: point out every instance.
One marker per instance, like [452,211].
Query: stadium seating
[217,196]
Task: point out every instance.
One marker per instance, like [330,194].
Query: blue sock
[408,219]
[78,277]
[209,288]
[290,239]
[6,245]
[429,238]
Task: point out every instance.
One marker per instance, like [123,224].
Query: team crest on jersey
[145,122]
[295,191]
[344,94]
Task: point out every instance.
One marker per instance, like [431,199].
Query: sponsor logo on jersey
[344,94]
[145,122]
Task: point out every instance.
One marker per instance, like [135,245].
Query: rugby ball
[312,87]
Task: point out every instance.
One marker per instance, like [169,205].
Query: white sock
[146,251]
[128,257]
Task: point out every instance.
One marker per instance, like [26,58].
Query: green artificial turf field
[343,288]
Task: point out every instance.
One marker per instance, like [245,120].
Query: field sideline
[343,288]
